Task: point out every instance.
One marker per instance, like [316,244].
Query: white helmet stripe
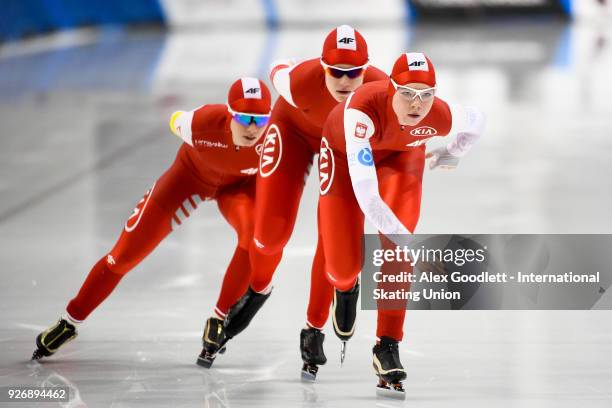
[345,38]
[251,89]
[416,61]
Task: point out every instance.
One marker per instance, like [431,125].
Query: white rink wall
[247,14]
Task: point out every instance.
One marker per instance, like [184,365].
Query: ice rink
[84,134]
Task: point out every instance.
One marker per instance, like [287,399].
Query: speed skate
[389,369]
[311,348]
[393,389]
[213,342]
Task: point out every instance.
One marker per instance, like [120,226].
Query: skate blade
[205,362]
[386,392]
[40,352]
[308,376]
[37,355]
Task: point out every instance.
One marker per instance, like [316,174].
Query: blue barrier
[19,18]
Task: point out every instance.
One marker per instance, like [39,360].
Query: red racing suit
[371,167]
[292,139]
[208,166]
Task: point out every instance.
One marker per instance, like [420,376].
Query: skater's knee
[121,263]
[272,239]
[267,246]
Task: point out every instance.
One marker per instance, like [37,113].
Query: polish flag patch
[360,130]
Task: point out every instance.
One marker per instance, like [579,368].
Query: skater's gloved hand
[173,124]
[280,65]
[442,158]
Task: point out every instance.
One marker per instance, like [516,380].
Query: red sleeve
[370,99]
[198,123]
[442,117]
[208,120]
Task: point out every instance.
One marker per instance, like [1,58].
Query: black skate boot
[311,346]
[241,314]
[49,341]
[389,369]
[213,341]
[344,314]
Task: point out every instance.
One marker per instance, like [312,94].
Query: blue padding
[271,13]
[411,13]
[116,62]
[567,6]
[20,18]
[563,54]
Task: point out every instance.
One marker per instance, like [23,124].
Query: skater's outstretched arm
[468,125]
[281,79]
[363,174]
[180,125]
[188,125]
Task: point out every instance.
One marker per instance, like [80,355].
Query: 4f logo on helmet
[360,130]
[416,61]
[326,167]
[271,152]
[251,88]
[424,131]
[134,219]
[346,40]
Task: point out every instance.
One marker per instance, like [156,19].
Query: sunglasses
[336,72]
[410,93]
[245,119]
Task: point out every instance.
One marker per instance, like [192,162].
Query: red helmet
[344,45]
[249,95]
[413,67]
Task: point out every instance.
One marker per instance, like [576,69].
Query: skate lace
[393,350]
